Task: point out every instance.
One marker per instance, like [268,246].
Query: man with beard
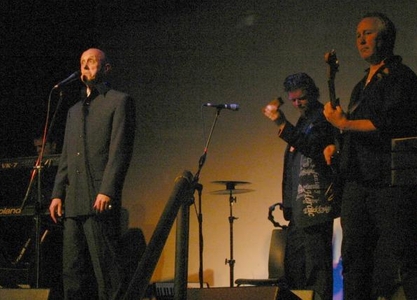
[309,201]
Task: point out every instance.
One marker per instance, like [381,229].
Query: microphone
[226,106]
[69,79]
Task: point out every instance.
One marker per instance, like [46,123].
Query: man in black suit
[96,152]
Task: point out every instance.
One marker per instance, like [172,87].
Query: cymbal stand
[232,218]
[199,188]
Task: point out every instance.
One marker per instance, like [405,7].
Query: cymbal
[230,185]
[233,191]
[230,182]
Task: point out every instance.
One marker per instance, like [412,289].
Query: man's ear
[107,68]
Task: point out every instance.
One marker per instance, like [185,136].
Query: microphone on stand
[69,79]
[233,107]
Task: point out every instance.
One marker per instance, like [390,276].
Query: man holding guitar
[379,220]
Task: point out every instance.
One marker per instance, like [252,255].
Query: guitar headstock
[333,62]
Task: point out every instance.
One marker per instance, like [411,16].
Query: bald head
[94,66]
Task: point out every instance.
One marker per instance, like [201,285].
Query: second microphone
[233,107]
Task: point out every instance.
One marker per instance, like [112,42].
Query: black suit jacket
[97,149]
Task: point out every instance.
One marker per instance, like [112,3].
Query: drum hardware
[230,190]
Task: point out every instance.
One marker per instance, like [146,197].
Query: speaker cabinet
[24,294]
[247,293]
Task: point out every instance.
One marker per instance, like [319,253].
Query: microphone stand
[37,172]
[199,188]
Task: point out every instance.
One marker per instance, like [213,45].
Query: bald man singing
[96,153]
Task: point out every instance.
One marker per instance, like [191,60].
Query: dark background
[182,52]
[41,43]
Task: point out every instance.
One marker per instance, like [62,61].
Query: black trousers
[90,264]
[379,246]
[308,258]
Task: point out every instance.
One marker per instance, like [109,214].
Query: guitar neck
[332,93]
[333,67]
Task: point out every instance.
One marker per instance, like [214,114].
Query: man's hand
[328,153]
[55,209]
[335,116]
[273,112]
[103,203]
